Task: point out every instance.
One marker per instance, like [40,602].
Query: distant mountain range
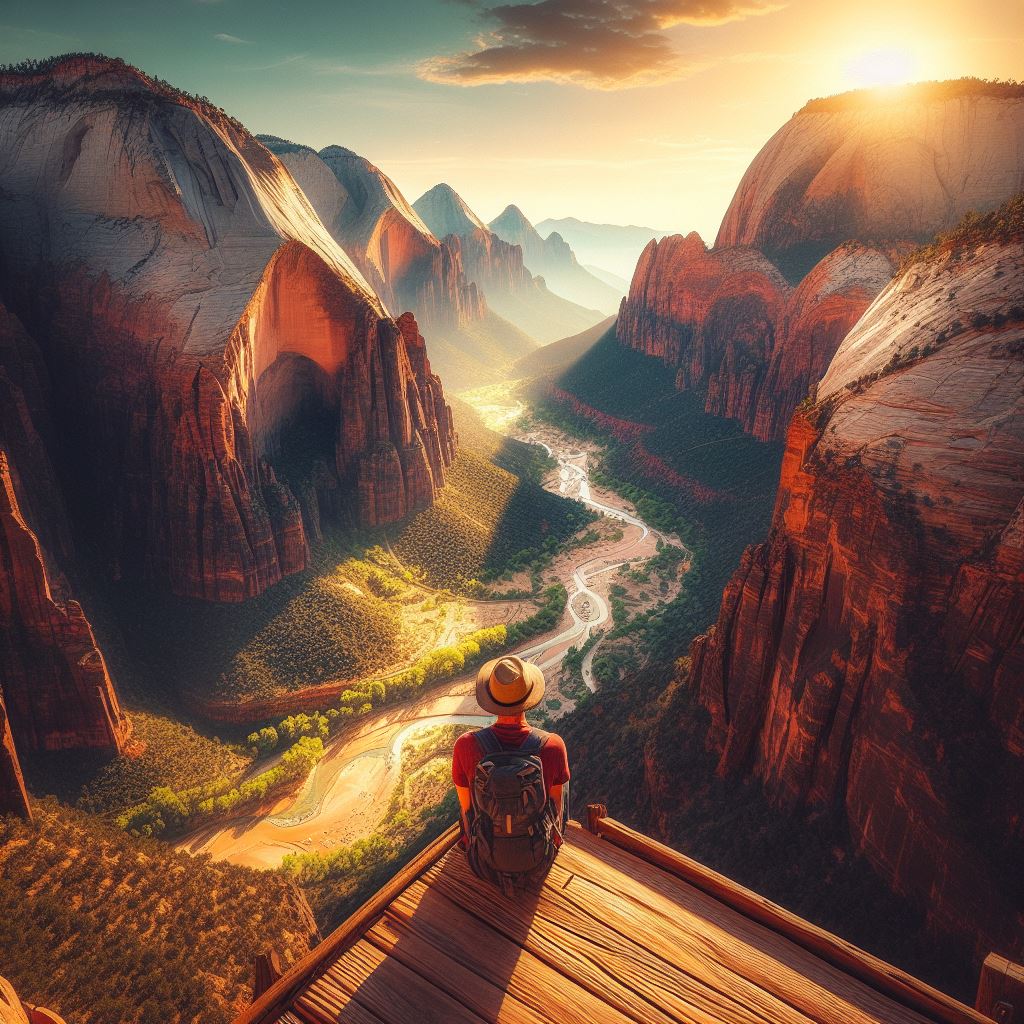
[614,248]
[553,259]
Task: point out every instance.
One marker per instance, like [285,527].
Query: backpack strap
[487,742]
[533,742]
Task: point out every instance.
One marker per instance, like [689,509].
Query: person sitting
[510,780]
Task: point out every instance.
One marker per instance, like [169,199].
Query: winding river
[347,794]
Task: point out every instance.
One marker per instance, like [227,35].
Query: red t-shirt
[553,758]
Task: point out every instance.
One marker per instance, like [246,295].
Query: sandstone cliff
[879,165]
[371,220]
[553,259]
[828,204]
[55,683]
[53,679]
[204,335]
[13,797]
[868,659]
[497,268]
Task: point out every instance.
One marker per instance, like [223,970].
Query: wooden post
[1001,990]
[595,812]
[268,970]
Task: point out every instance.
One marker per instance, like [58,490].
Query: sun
[883,66]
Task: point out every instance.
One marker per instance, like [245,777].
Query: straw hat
[506,686]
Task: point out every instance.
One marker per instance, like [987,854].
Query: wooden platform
[612,937]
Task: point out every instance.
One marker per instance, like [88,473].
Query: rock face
[878,167]
[828,204]
[868,659]
[13,798]
[55,691]
[55,682]
[497,268]
[371,220]
[554,260]
[202,332]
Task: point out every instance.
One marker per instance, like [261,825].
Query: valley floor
[348,793]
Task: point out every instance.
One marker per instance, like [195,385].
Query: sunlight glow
[883,66]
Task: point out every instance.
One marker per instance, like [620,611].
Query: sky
[622,111]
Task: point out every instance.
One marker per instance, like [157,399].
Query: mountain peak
[512,225]
[445,212]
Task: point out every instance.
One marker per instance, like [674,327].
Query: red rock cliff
[196,320]
[879,165]
[869,656]
[55,684]
[372,221]
[884,172]
[13,798]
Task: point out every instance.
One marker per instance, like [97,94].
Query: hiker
[509,778]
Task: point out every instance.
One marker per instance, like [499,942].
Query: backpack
[513,830]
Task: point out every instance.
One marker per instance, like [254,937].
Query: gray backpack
[513,830]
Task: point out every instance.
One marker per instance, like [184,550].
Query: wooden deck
[612,937]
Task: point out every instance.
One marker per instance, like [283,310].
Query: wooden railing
[276,999]
[883,977]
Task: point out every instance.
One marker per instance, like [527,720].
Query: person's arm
[555,794]
[464,805]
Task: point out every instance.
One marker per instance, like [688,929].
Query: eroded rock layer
[55,683]
[206,338]
[829,204]
[372,221]
[877,166]
[869,655]
[496,267]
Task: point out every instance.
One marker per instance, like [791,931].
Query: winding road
[348,792]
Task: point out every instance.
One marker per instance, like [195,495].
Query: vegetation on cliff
[1002,225]
[493,516]
[951,89]
[101,927]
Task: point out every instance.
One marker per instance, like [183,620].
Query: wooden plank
[267,970]
[492,1000]
[558,951]
[473,945]
[1001,989]
[583,940]
[276,999]
[725,951]
[394,993]
[888,979]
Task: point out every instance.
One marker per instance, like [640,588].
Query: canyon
[498,267]
[181,258]
[814,232]
[552,258]
[367,215]
[196,379]
[868,658]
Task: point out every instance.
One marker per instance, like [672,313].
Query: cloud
[226,37]
[599,44]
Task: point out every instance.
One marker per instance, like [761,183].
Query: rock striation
[221,372]
[55,685]
[371,220]
[497,268]
[879,166]
[827,206]
[553,259]
[13,797]
[868,658]
[55,692]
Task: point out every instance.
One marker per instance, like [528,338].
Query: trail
[347,795]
